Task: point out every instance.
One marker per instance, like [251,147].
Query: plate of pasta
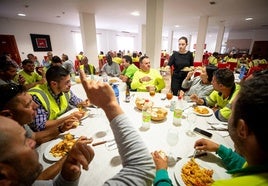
[194,172]
[59,147]
[203,111]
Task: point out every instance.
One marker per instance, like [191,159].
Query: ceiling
[115,14]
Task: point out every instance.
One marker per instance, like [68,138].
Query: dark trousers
[176,81]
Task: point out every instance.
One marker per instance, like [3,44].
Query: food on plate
[140,102]
[113,80]
[187,69]
[63,147]
[201,110]
[193,175]
[158,113]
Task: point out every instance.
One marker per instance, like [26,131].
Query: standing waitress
[179,60]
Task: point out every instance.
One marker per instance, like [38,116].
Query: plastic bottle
[127,94]
[177,116]
[116,92]
[146,114]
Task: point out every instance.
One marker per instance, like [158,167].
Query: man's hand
[160,160]
[80,155]
[204,144]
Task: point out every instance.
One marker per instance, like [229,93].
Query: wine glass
[191,119]
[172,140]
[169,96]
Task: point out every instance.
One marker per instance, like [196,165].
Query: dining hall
[148,92]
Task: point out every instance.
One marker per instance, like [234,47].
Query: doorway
[8,45]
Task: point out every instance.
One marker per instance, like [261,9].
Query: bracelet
[60,129]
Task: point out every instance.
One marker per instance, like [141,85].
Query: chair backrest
[263,66]
[222,65]
[232,65]
[197,64]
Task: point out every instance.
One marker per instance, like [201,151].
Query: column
[89,37]
[170,42]
[201,37]
[220,37]
[142,40]
[154,23]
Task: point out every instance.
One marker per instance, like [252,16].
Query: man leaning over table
[145,78]
[17,104]
[249,163]
[54,98]
[225,90]
[138,167]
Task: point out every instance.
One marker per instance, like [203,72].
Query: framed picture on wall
[41,42]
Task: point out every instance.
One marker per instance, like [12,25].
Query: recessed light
[21,14]
[177,26]
[135,13]
[249,19]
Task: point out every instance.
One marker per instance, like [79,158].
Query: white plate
[210,111]
[72,111]
[219,171]
[47,154]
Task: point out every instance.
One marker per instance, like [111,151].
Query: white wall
[60,36]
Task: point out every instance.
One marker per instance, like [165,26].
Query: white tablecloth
[106,162]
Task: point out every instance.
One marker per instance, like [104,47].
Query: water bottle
[127,94]
[242,72]
[116,92]
[146,115]
[177,116]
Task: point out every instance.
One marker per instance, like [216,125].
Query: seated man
[54,98]
[18,105]
[20,165]
[8,71]
[146,78]
[67,63]
[111,68]
[88,68]
[31,77]
[248,163]
[129,70]
[225,90]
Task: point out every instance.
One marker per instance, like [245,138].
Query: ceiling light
[249,19]
[177,26]
[21,14]
[135,13]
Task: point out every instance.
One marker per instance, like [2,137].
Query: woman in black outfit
[179,60]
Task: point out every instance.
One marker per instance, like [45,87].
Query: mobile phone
[203,132]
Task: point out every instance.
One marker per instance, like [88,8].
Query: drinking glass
[172,140]
[152,91]
[169,96]
[191,119]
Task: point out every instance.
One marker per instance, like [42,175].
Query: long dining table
[106,162]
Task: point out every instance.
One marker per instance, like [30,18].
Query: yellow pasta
[194,175]
[201,110]
[63,147]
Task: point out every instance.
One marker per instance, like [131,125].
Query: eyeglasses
[8,92]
